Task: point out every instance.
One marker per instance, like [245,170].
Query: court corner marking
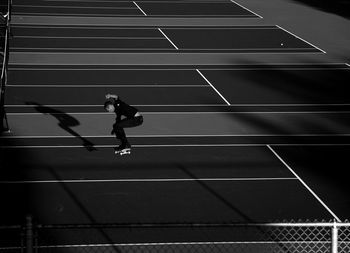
[296,36]
[303,183]
[232,1]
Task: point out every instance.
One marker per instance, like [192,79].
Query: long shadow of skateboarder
[65,121]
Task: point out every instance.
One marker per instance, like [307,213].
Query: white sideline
[226,101]
[171,42]
[301,39]
[246,9]
[138,7]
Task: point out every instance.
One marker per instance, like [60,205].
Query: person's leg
[118,128]
[120,135]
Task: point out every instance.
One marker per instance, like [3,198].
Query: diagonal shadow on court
[338,7]
[65,121]
[217,195]
[84,210]
[246,218]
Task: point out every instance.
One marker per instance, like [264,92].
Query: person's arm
[109,96]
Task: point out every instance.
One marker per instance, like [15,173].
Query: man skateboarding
[131,118]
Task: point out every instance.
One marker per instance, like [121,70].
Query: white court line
[303,183]
[201,15]
[224,50]
[173,69]
[86,27]
[177,146]
[232,27]
[100,37]
[301,39]
[170,136]
[55,14]
[144,13]
[171,42]
[135,15]
[164,105]
[149,27]
[77,49]
[228,103]
[82,86]
[246,8]
[154,244]
[129,8]
[215,67]
[193,105]
[181,113]
[145,180]
[162,51]
[126,1]
[74,7]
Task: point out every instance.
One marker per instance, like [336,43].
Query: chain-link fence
[344,239]
[286,237]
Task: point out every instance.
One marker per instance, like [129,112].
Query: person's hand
[108,96]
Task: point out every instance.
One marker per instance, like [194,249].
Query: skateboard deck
[126,151]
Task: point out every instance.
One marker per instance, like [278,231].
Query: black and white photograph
[184,126]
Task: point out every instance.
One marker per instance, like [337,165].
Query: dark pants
[118,127]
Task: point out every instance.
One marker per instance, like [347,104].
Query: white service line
[199,72]
[305,185]
[144,13]
[301,39]
[246,8]
[171,42]
[144,180]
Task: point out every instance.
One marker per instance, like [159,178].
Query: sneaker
[122,148]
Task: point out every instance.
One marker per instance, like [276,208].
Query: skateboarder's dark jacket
[123,109]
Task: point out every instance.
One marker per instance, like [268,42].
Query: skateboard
[126,151]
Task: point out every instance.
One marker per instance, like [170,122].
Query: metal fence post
[29,234]
[335,237]
[3,117]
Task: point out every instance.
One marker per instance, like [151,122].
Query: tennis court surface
[221,144]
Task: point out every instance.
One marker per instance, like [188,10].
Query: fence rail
[285,237]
